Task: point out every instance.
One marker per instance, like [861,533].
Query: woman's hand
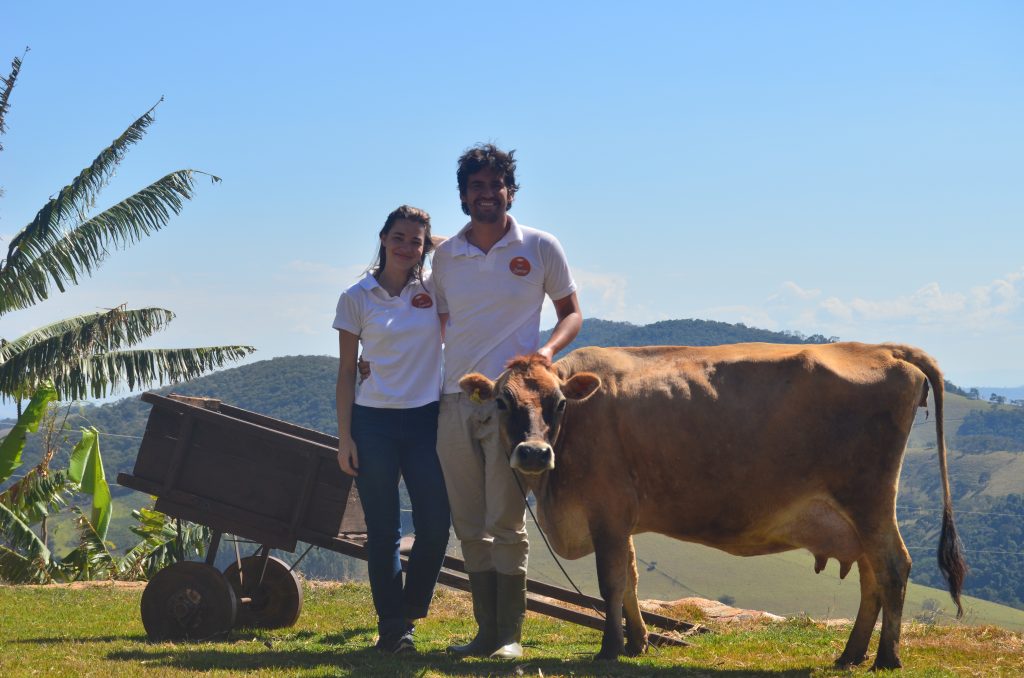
[348,456]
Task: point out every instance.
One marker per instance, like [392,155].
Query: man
[490,281]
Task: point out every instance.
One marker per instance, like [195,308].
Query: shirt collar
[513,235]
[370,284]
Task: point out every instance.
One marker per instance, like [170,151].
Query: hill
[985,441]
[597,332]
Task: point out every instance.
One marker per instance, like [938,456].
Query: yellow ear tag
[475,398]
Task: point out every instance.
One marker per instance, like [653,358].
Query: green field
[784,584]
[95,631]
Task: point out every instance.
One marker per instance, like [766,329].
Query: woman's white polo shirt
[401,339]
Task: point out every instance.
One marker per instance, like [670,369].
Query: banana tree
[89,355]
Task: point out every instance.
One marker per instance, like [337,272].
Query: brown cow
[749,448]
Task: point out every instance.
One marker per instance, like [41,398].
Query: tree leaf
[80,455]
[86,469]
[35,495]
[13,443]
[26,276]
[20,536]
[58,351]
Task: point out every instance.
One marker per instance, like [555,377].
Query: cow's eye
[560,407]
[502,405]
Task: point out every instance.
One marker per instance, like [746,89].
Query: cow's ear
[581,386]
[477,387]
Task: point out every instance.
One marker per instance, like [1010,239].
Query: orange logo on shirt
[519,266]
[422,300]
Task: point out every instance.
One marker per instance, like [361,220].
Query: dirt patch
[75,585]
[710,610]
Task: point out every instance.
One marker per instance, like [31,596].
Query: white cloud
[790,288]
[605,293]
[315,272]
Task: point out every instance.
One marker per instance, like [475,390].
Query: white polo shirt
[401,339]
[494,299]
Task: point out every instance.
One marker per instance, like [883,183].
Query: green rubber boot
[484,587]
[511,613]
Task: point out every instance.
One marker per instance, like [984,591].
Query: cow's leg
[611,552]
[870,603]
[636,631]
[893,570]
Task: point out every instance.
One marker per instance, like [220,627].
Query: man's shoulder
[448,248]
[531,235]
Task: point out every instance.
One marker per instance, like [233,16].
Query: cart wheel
[275,602]
[188,601]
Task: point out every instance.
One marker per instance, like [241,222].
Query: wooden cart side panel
[243,471]
[158,442]
[258,474]
[334,508]
[279,425]
[219,418]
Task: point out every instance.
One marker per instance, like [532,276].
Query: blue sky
[850,169]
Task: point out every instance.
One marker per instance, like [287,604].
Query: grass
[95,630]
[783,583]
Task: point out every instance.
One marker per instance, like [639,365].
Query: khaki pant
[488,508]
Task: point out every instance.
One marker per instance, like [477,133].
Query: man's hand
[364,369]
[546,352]
[348,456]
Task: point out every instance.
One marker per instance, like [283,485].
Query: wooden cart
[274,484]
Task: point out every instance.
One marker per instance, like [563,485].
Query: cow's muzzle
[532,456]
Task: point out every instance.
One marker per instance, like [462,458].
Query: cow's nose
[533,456]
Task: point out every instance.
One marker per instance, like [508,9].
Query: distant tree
[997,399]
[953,388]
[974,394]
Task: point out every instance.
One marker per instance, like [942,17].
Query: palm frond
[37,494]
[28,273]
[5,93]
[160,546]
[20,537]
[60,351]
[143,368]
[78,196]
[15,568]
[91,559]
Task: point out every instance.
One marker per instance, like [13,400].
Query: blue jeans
[392,442]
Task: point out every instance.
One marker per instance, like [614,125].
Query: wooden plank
[457,577]
[180,451]
[250,428]
[583,600]
[279,425]
[158,445]
[215,515]
[461,582]
[197,401]
[302,505]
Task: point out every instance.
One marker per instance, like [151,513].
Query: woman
[388,425]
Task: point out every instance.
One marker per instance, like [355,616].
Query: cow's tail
[951,550]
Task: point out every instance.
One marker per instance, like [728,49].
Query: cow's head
[531,400]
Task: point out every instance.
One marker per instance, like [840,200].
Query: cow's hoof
[607,655]
[886,664]
[845,662]
[636,649]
